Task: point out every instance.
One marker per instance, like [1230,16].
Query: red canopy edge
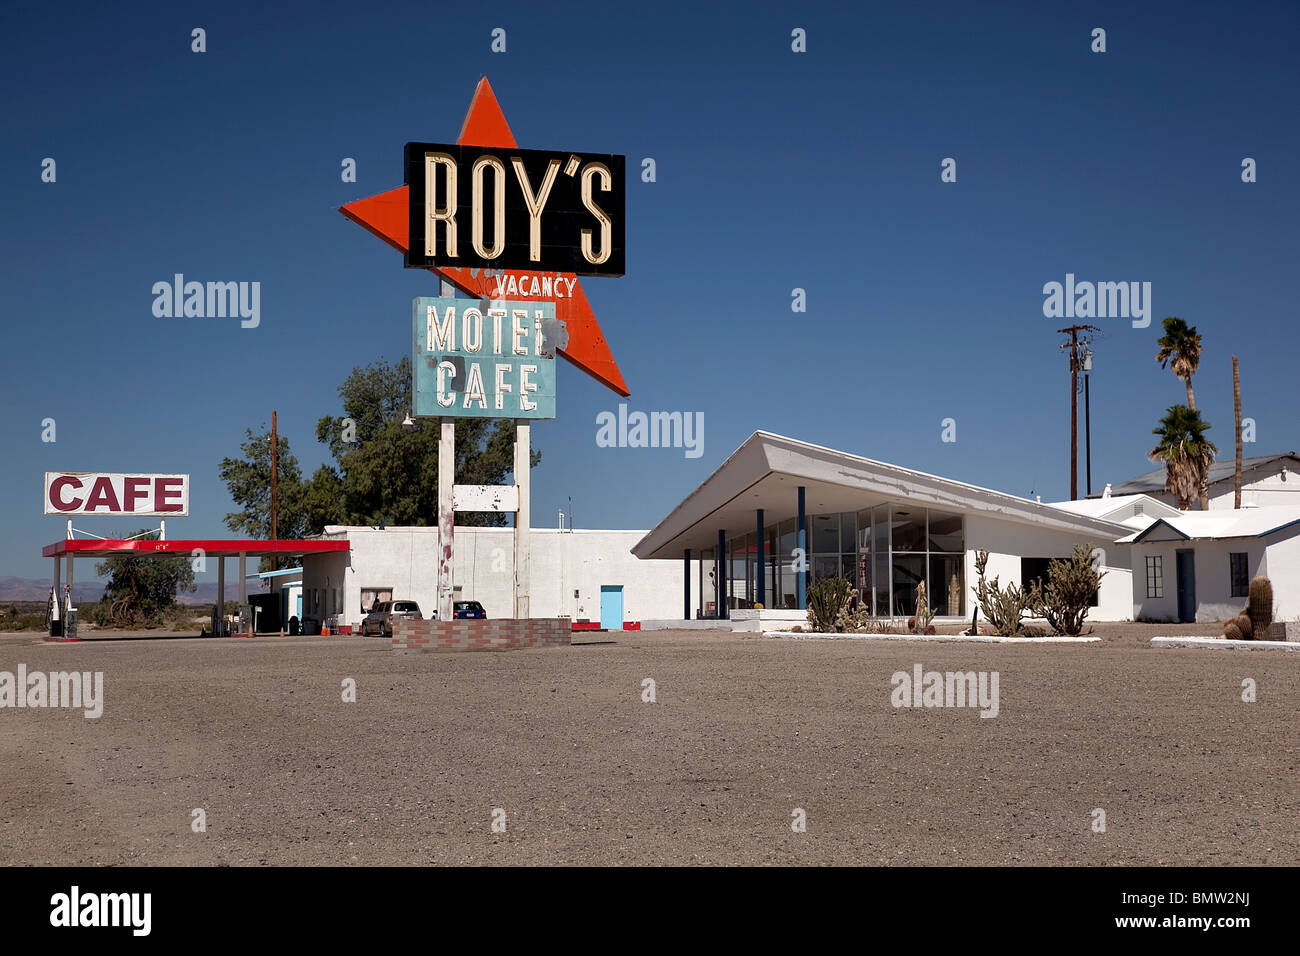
[211,547]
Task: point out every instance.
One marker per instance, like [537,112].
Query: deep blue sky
[775,170]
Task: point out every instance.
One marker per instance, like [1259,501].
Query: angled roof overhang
[766,471]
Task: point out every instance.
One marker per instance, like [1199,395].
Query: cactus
[1245,625]
[1231,632]
[924,613]
[1260,606]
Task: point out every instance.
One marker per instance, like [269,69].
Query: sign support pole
[523,465]
[446,515]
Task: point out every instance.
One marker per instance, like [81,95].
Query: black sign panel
[527,209]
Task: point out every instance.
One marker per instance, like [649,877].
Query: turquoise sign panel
[484,359]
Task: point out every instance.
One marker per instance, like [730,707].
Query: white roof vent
[1106,492]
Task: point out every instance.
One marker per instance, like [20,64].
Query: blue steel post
[718,586]
[801,595]
[686,596]
[760,596]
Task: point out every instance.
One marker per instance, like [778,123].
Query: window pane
[864,530]
[788,539]
[909,571]
[825,534]
[827,567]
[909,528]
[862,578]
[945,588]
[1239,575]
[848,532]
[946,532]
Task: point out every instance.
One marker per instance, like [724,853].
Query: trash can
[294,627]
[311,626]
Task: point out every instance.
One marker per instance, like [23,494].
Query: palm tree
[1186,452]
[1181,346]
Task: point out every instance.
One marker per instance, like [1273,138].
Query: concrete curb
[960,638]
[1217,643]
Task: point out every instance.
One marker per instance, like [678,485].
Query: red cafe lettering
[109,493]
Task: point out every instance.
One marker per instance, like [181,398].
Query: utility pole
[1236,417]
[275,461]
[1073,347]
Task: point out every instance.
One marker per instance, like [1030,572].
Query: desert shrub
[1004,608]
[1071,583]
[924,613]
[1260,604]
[828,601]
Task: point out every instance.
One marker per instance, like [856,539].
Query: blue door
[1186,561]
[611,607]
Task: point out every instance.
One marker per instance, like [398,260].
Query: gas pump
[53,624]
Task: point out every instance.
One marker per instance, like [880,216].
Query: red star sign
[385,215]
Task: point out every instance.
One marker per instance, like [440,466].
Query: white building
[884,527]
[732,551]
[888,528]
[1197,565]
[1265,480]
[585,575]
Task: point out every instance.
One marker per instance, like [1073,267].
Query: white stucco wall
[1260,487]
[1009,541]
[405,559]
[1277,557]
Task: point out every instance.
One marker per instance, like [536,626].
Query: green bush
[829,601]
[1004,609]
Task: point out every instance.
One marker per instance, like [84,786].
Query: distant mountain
[88,592]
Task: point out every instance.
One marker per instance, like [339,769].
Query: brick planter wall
[499,635]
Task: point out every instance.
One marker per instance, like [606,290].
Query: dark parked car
[468,609]
[380,619]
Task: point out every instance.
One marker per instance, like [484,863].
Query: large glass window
[946,533]
[826,534]
[880,558]
[946,588]
[909,528]
[909,571]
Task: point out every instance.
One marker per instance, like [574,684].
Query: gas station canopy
[210,547]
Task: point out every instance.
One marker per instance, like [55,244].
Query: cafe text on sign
[531,209]
[476,359]
[104,493]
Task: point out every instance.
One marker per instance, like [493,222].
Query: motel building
[888,528]
[725,556]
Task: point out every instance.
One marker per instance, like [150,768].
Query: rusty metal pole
[1236,417]
[446,516]
[1074,414]
[523,465]
[275,463]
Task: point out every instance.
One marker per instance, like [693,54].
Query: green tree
[1180,348]
[1186,453]
[386,472]
[141,586]
[248,479]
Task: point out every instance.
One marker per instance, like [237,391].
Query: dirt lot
[744,731]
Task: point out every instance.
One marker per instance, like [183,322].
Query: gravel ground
[744,730]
